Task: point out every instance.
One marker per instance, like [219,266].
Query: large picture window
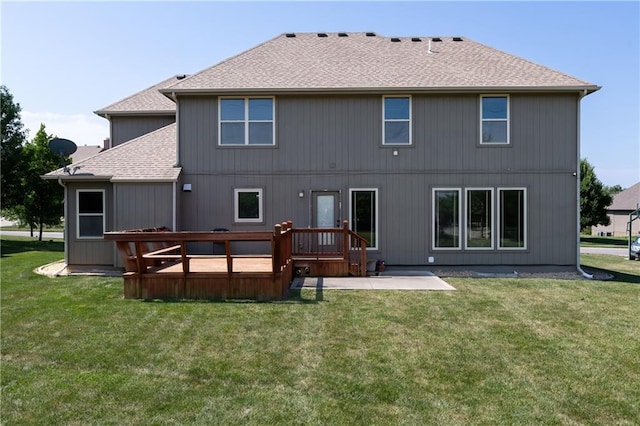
[479,219]
[396,113]
[248,205]
[90,213]
[364,215]
[446,219]
[246,121]
[512,219]
[494,119]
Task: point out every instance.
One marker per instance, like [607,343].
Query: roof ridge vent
[395,40]
[322,35]
[343,35]
[436,39]
[371,34]
[290,35]
[416,39]
[457,39]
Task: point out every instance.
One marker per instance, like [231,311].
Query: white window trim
[433,220]
[103,214]
[525,215]
[377,230]
[466,219]
[246,120]
[508,120]
[384,121]
[236,212]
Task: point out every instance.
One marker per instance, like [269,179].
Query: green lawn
[594,241]
[496,351]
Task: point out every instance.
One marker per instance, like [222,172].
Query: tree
[13,137]
[594,198]
[615,189]
[42,199]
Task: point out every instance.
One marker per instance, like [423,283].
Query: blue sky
[64,60]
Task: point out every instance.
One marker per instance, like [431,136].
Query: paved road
[45,235]
[605,250]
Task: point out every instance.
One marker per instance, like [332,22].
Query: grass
[496,351]
[593,241]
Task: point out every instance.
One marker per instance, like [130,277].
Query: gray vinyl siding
[143,205]
[88,251]
[125,128]
[334,143]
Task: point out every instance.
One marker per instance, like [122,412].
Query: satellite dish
[62,147]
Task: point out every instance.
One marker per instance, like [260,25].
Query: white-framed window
[90,213]
[363,214]
[396,119]
[246,121]
[512,218]
[248,205]
[479,218]
[446,219]
[494,120]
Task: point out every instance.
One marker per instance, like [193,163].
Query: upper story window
[90,213]
[246,121]
[396,114]
[494,119]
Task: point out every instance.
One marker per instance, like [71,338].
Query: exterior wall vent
[416,39]
[457,39]
[395,40]
[343,35]
[290,35]
[436,39]
[322,35]
[371,34]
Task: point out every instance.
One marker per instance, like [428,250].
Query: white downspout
[578,177]
[65,232]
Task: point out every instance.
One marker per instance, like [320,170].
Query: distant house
[624,203]
[438,150]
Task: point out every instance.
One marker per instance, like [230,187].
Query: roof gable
[366,61]
[629,199]
[147,101]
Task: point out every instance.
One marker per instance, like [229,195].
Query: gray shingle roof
[356,61]
[147,101]
[627,199]
[150,157]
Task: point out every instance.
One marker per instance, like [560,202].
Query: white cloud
[83,129]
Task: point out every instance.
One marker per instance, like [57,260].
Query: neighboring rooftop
[627,199]
[85,151]
[147,101]
[366,61]
[151,158]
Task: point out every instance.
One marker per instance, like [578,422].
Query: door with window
[326,214]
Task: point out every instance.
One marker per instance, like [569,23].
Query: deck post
[275,248]
[345,240]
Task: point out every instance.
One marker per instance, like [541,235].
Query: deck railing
[323,243]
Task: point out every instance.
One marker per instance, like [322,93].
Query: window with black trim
[494,119]
[396,114]
[248,205]
[246,121]
[90,213]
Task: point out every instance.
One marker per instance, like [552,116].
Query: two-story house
[438,150]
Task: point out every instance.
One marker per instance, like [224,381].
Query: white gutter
[65,231]
[578,177]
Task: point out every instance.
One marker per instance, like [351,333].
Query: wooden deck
[158,265]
